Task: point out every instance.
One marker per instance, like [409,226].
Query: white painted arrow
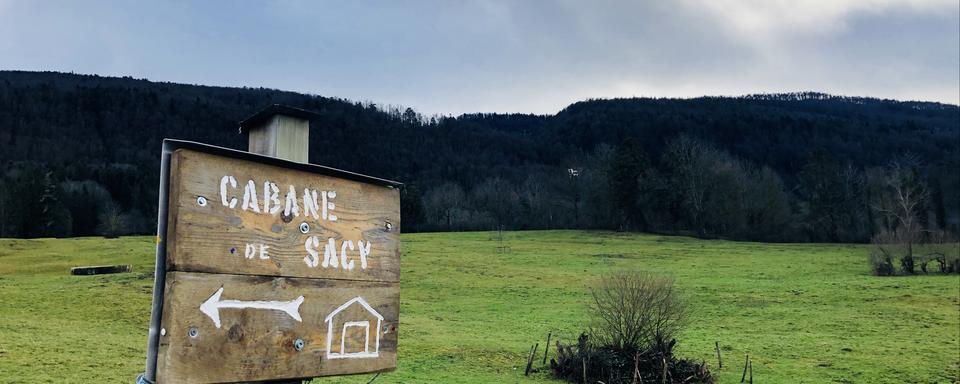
[212,306]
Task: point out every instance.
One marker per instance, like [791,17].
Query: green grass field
[806,313]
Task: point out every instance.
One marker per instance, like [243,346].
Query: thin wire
[374,377]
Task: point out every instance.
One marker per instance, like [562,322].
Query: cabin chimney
[279,131]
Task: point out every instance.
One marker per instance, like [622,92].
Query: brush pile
[583,363]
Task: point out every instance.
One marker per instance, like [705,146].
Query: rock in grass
[100,269]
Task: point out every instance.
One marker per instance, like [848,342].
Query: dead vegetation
[634,319]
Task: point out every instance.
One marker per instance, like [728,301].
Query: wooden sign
[275,270]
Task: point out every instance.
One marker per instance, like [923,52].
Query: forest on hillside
[80,157]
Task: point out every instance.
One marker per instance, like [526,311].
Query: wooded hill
[80,157]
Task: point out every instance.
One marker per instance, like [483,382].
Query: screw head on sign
[298,344]
[304,227]
[201,201]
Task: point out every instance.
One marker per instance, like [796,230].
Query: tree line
[81,158]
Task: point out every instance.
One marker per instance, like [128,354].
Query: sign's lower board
[226,328]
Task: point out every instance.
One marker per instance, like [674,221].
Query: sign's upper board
[230,216]
[275,272]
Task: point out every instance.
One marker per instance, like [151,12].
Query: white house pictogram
[345,346]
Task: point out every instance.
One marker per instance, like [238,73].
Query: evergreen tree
[411,208]
[53,217]
[629,166]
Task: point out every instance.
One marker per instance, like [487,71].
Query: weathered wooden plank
[261,343]
[213,228]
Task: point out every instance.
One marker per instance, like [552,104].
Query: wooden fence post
[533,354]
[719,360]
[546,347]
[746,363]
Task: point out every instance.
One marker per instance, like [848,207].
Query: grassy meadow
[806,313]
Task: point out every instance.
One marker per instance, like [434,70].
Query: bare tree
[442,202]
[497,198]
[768,205]
[112,222]
[534,196]
[901,204]
[689,162]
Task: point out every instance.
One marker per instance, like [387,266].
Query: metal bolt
[388,226]
[193,332]
[304,227]
[298,344]
[163,331]
[201,201]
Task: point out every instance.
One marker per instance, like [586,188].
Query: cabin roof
[275,109]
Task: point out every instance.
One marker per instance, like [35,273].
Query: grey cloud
[502,56]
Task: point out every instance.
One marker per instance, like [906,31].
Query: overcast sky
[452,57]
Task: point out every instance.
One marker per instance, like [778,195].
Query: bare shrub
[635,310]
[886,248]
[943,248]
[913,248]
[881,264]
[634,317]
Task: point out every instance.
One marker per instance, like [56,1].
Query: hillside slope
[100,137]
